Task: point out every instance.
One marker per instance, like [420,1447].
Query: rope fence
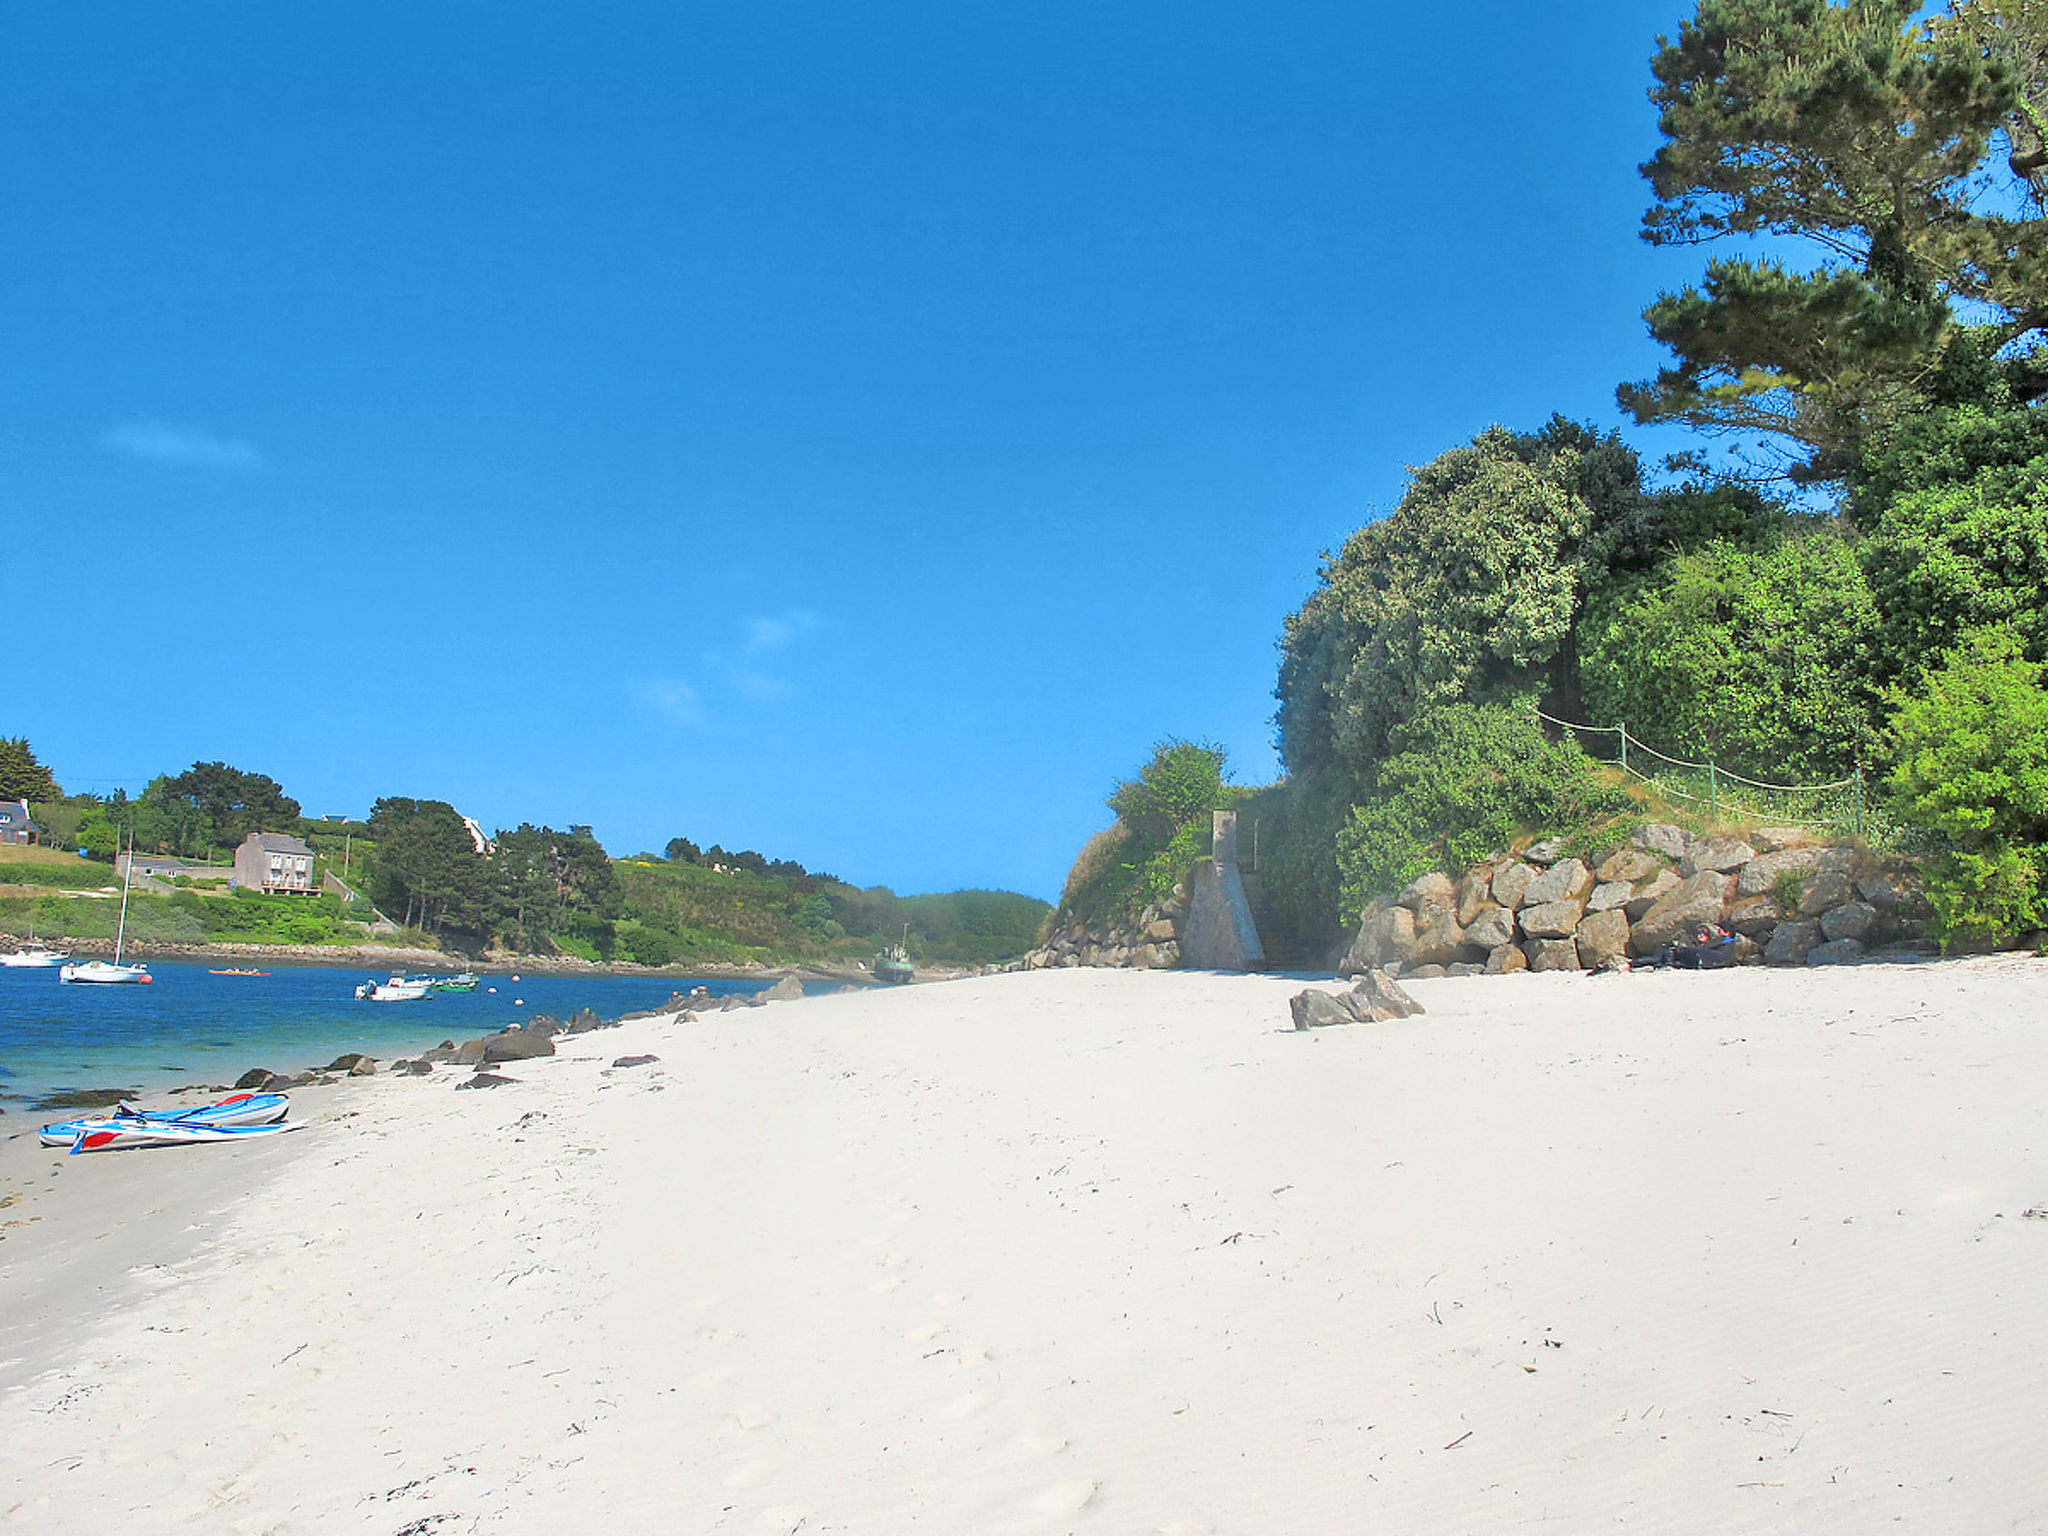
[1721,791]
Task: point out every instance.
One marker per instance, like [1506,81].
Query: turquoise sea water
[191,1026]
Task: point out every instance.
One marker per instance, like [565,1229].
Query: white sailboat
[100,970]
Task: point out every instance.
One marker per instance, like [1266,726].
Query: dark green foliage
[1960,556]
[1461,781]
[73,875]
[1755,657]
[1854,128]
[1971,749]
[551,883]
[427,873]
[22,777]
[100,838]
[1163,828]
[1182,782]
[211,805]
[1466,593]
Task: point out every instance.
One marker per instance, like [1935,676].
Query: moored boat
[112,972]
[893,965]
[464,981]
[34,954]
[233,972]
[397,990]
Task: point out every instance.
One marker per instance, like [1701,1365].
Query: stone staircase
[1284,948]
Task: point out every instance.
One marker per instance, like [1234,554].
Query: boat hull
[101,972]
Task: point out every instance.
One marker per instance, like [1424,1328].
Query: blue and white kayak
[241,1111]
[105,1135]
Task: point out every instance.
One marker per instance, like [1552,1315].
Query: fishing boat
[893,965]
[397,990]
[236,1111]
[114,972]
[464,981]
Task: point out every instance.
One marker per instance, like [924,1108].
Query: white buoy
[518,1002]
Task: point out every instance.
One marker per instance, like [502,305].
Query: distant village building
[16,826]
[484,847]
[164,866]
[275,864]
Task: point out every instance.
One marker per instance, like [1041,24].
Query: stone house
[16,826]
[275,864]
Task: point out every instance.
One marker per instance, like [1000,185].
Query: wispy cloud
[773,631]
[673,699]
[160,443]
[748,672]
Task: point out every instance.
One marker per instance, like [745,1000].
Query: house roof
[14,815]
[277,842]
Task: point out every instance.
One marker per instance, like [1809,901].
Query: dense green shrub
[1163,829]
[1462,780]
[74,875]
[1971,755]
[1755,657]
[1960,556]
[1466,592]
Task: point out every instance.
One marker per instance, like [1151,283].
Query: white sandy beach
[1092,1251]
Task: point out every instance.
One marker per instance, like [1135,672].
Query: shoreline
[406,957]
[1089,1251]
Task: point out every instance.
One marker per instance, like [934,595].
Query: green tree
[233,803]
[1865,135]
[1466,593]
[22,777]
[1971,751]
[428,869]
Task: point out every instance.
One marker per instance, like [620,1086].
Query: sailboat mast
[127,874]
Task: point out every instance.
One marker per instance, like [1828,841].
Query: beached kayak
[236,1112]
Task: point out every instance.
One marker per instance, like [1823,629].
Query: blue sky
[852,432]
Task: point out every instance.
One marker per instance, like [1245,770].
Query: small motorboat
[463,982]
[237,1115]
[397,990]
[34,954]
[238,973]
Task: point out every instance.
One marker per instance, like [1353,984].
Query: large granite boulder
[1662,837]
[788,990]
[1313,1008]
[1438,939]
[1761,874]
[1506,960]
[469,1053]
[1649,893]
[1377,991]
[1609,893]
[1824,892]
[1552,920]
[1754,916]
[1551,954]
[1895,893]
[545,1024]
[1475,895]
[1427,894]
[1602,938]
[1374,1000]
[1545,851]
[1682,910]
[516,1044]
[1719,854]
[1491,928]
[1851,920]
[1835,952]
[1386,936]
[1630,864]
[1512,884]
[1566,880]
[1792,942]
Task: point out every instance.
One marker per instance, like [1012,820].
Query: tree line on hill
[532,889]
[1859,581]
